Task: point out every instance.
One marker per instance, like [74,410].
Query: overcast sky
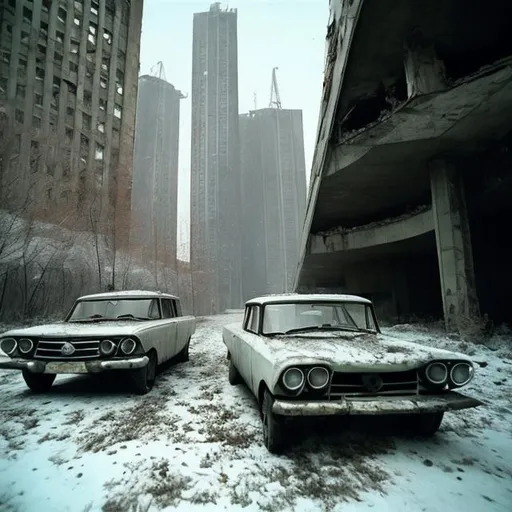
[289,34]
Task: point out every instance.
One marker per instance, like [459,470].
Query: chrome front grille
[52,349]
[374,383]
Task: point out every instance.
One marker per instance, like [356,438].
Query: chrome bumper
[96,366]
[449,401]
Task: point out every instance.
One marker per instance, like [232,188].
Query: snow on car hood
[71,329]
[353,349]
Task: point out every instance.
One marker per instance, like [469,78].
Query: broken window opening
[20,90]
[75,46]
[102,105]
[87,98]
[365,111]
[19,116]
[62,15]
[70,111]
[93,28]
[86,121]
[36,122]
[73,67]
[39,74]
[118,111]
[42,48]
[103,84]
[107,36]
[27,14]
[99,153]
[59,37]
[101,127]
[69,134]
[38,99]
[91,38]
[57,58]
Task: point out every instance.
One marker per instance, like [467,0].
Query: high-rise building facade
[155,172]
[68,90]
[215,163]
[274,198]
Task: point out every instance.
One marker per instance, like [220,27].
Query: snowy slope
[194,443]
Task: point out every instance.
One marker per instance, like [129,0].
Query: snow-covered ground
[194,443]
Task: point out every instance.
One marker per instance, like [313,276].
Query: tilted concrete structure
[273,174]
[410,191]
[215,249]
[154,221]
[68,92]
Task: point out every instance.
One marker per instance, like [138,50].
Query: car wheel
[425,424]
[272,425]
[234,376]
[39,382]
[143,379]
[183,356]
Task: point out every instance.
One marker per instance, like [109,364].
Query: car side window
[166,309]
[177,307]
[254,320]
[154,310]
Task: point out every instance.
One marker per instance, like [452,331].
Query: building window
[19,116]
[38,99]
[98,155]
[20,91]
[87,98]
[41,48]
[73,67]
[101,127]
[62,15]
[103,105]
[103,84]
[27,14]
[70,111]
[57,58]
[75,46]
[86,121]
[59,36]
[69,134]
[107,36]
[39,74]
[36,122]
[34,145]
[118,111]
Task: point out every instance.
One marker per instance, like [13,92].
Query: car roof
[129,294]
[302,297]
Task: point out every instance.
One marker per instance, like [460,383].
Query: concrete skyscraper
[68,89]
[155,172]
[215,163]
[273,197]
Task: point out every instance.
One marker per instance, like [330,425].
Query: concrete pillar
[424,72]
[460,302]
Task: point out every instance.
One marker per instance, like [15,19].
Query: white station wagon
[128,331]
[321,355]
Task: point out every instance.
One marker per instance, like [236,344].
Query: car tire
[143,379]
[425,424]
[272,425]
[234,376]
[39,382]
[183,355]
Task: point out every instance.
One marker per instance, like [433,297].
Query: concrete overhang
[386,164]
[394,230]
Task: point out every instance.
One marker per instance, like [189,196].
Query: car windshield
[118,309]
[303,317]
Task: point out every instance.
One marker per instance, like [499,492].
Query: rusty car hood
[353,350]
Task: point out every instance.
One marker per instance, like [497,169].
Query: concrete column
[424,72]
[460,302]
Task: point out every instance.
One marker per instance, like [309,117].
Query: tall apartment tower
[215,163]
[274,198]
[68,91]
[155,173]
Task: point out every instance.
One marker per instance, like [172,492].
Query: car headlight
[25,345]
[107,347]
[293,379]
[128,345]
[461,373]
[8,345]
[437,373]
[318,377]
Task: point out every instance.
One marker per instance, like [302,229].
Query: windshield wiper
[129,316]
[322,328]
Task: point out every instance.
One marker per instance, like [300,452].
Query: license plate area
[66,367]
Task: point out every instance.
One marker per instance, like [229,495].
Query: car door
[245,348]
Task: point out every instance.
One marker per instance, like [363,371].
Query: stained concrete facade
[411,176]
[155,172]
[215,163]
[68,89]
[273,197]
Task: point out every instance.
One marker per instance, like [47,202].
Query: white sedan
[128,331]
[321,355]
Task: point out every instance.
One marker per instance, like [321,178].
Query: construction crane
[161,71]
[275,98]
